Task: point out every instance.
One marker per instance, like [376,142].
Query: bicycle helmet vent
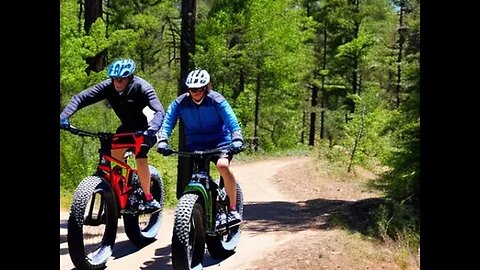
[121,68]
[197,78]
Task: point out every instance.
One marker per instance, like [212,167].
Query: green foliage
[281,55]
[72,52]
[96,41]
[123,43]
[356,48]
[400,222]
[167,166]
[403,181]
[374,146]
[247,43]
[78,157]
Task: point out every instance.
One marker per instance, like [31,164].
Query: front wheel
[223,244]
[142,229]
[92,225]
[188,240]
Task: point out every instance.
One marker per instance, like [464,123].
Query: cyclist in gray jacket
[128,96]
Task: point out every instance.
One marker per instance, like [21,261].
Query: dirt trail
[264,211]
[296,216]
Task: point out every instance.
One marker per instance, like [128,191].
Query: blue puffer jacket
[208,125]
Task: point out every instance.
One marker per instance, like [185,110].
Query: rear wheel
[142,229]
[188,240]
[92,225]
[223,244]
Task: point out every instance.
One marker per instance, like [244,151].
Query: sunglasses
[196,90]
[119,80]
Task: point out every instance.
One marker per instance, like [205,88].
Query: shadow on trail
[162,260]
[124,248]
[311,214]
[63,237]
[63,251]
[63,224]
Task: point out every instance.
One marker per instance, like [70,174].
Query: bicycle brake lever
[73,129]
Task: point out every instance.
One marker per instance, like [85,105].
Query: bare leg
[144,174]
[229,180]
[119,153]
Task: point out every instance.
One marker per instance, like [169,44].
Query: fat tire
[144,236]
[219,247]
[188,239]
[76,245]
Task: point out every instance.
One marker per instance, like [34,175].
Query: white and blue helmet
[197,78]
[121,68]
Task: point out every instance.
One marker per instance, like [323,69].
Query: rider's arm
[155,105]
[170,119]
[230,119]
[85,98]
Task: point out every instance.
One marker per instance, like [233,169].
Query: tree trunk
[313,115]
[350,103]
[323,98]
[401,41]
[257,104]
[357,139]
[187,47]
[302,133]
[93,11]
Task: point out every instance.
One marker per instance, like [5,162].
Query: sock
[232,208]
[148,197]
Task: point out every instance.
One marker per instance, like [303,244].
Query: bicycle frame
[111,192]
[202,183]
[119,174]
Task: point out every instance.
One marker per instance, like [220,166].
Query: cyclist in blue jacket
[209,122]
[128,96]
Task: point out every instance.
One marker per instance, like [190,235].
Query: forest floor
[333,233]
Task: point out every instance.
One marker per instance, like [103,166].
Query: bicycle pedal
[225,227]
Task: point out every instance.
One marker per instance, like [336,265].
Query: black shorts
[143,152]
[128,129]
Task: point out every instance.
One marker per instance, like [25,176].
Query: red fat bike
[112,192]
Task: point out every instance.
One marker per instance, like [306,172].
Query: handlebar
[203,153]
[108,140]
[84,133]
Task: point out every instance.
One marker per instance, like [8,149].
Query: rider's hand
[149,139]
[237,146]
[64,123]
[164,149]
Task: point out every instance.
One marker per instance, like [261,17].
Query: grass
[65,199]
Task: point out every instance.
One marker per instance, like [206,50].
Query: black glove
[149,141]
[164,149]
[149,138]
[237,146]
[64,123]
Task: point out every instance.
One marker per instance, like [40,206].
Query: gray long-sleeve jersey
[128,105]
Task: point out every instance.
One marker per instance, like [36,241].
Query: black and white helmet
[197,78]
